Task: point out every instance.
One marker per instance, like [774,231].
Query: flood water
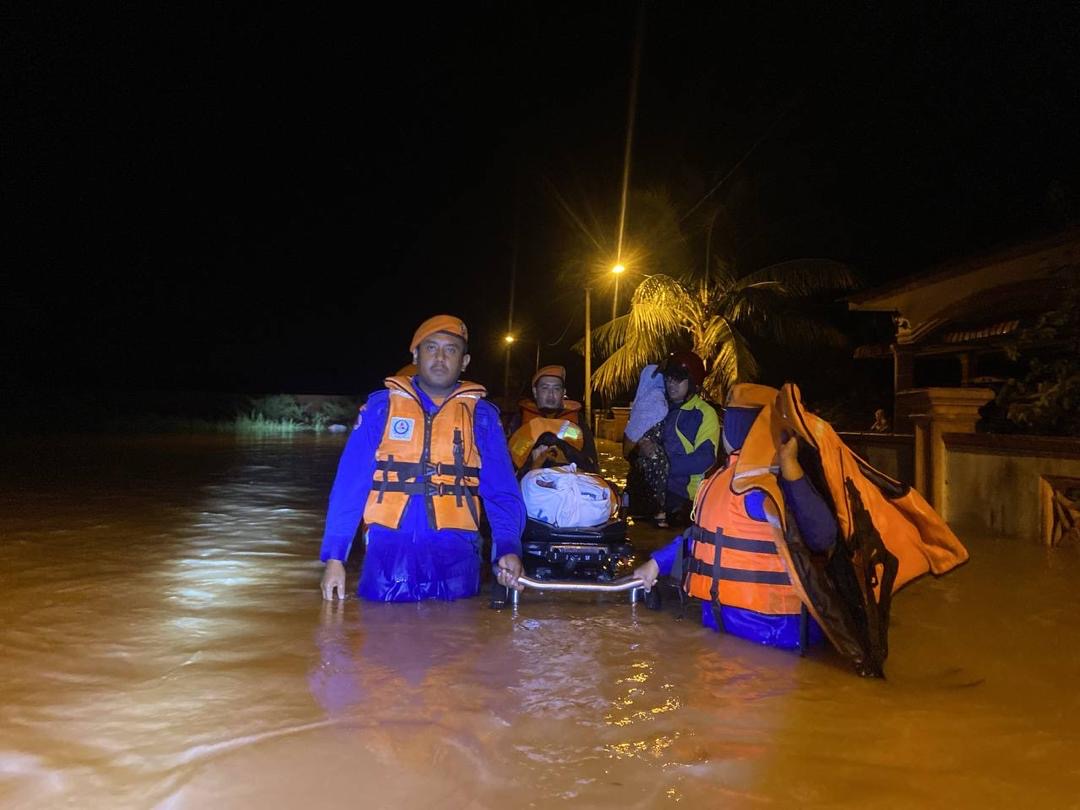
[164,644]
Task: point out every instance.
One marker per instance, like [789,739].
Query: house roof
[1016,261]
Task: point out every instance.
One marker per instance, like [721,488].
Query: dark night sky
[230,200]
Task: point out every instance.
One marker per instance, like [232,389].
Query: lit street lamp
[509,340]
[618,270]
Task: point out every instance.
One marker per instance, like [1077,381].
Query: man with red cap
[425,453]
[549,430]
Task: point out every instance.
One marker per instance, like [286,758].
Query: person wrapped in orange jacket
[780,560]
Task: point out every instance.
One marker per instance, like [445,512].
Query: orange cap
[550,371]
[439,323]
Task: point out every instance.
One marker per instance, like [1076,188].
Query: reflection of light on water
[613,466]
[654,747]
[193,595]
[670,705]
[206,562]
[202,580]
[635,691]
[191,624]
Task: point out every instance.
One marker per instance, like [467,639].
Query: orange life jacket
[734,559]
[433,455]
[888,534]
[565,425]
[909,526]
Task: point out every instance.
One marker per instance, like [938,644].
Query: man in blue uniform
[424,454]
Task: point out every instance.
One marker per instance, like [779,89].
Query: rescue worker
[782,561]
[550,430]
[423,455]
[691,435]
[748,538]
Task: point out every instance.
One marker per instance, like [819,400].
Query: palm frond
[659,306]
[794,328]
[722,274]
[619,372]
[733,362]
[753,302]
[800,277]
[608,337]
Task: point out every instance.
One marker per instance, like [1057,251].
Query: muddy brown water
[164,644]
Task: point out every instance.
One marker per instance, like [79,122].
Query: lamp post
[588,356]
[618,270]
[509,340]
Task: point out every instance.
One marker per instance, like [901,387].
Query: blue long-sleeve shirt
[816,523]
[696,420]
[498,488]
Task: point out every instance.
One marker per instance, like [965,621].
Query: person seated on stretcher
[550,430]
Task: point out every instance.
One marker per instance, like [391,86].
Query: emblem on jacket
[401,428]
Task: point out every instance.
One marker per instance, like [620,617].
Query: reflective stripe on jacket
[691,435]
[564,426]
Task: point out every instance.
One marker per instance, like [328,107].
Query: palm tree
[716,316]
[710,304]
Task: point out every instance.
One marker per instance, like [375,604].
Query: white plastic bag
[566,498]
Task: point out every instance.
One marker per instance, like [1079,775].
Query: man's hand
[789,458]
[509,568]
[648,573]
[333,577]
[542,450]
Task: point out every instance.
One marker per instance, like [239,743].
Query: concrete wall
[612,428]
[993,481]
[891,453]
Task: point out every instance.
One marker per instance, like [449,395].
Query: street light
[509,341]
[618,270]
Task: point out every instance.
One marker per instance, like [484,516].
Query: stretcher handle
[627,583]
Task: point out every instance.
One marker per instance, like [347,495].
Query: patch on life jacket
[569,431]
[401,428]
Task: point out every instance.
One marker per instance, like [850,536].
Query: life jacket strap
[430,489]
[460,473]
[384,480]
[716,574]
[422,469]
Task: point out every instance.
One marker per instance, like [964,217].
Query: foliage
[716,318]
[284,413]
[1047,399]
